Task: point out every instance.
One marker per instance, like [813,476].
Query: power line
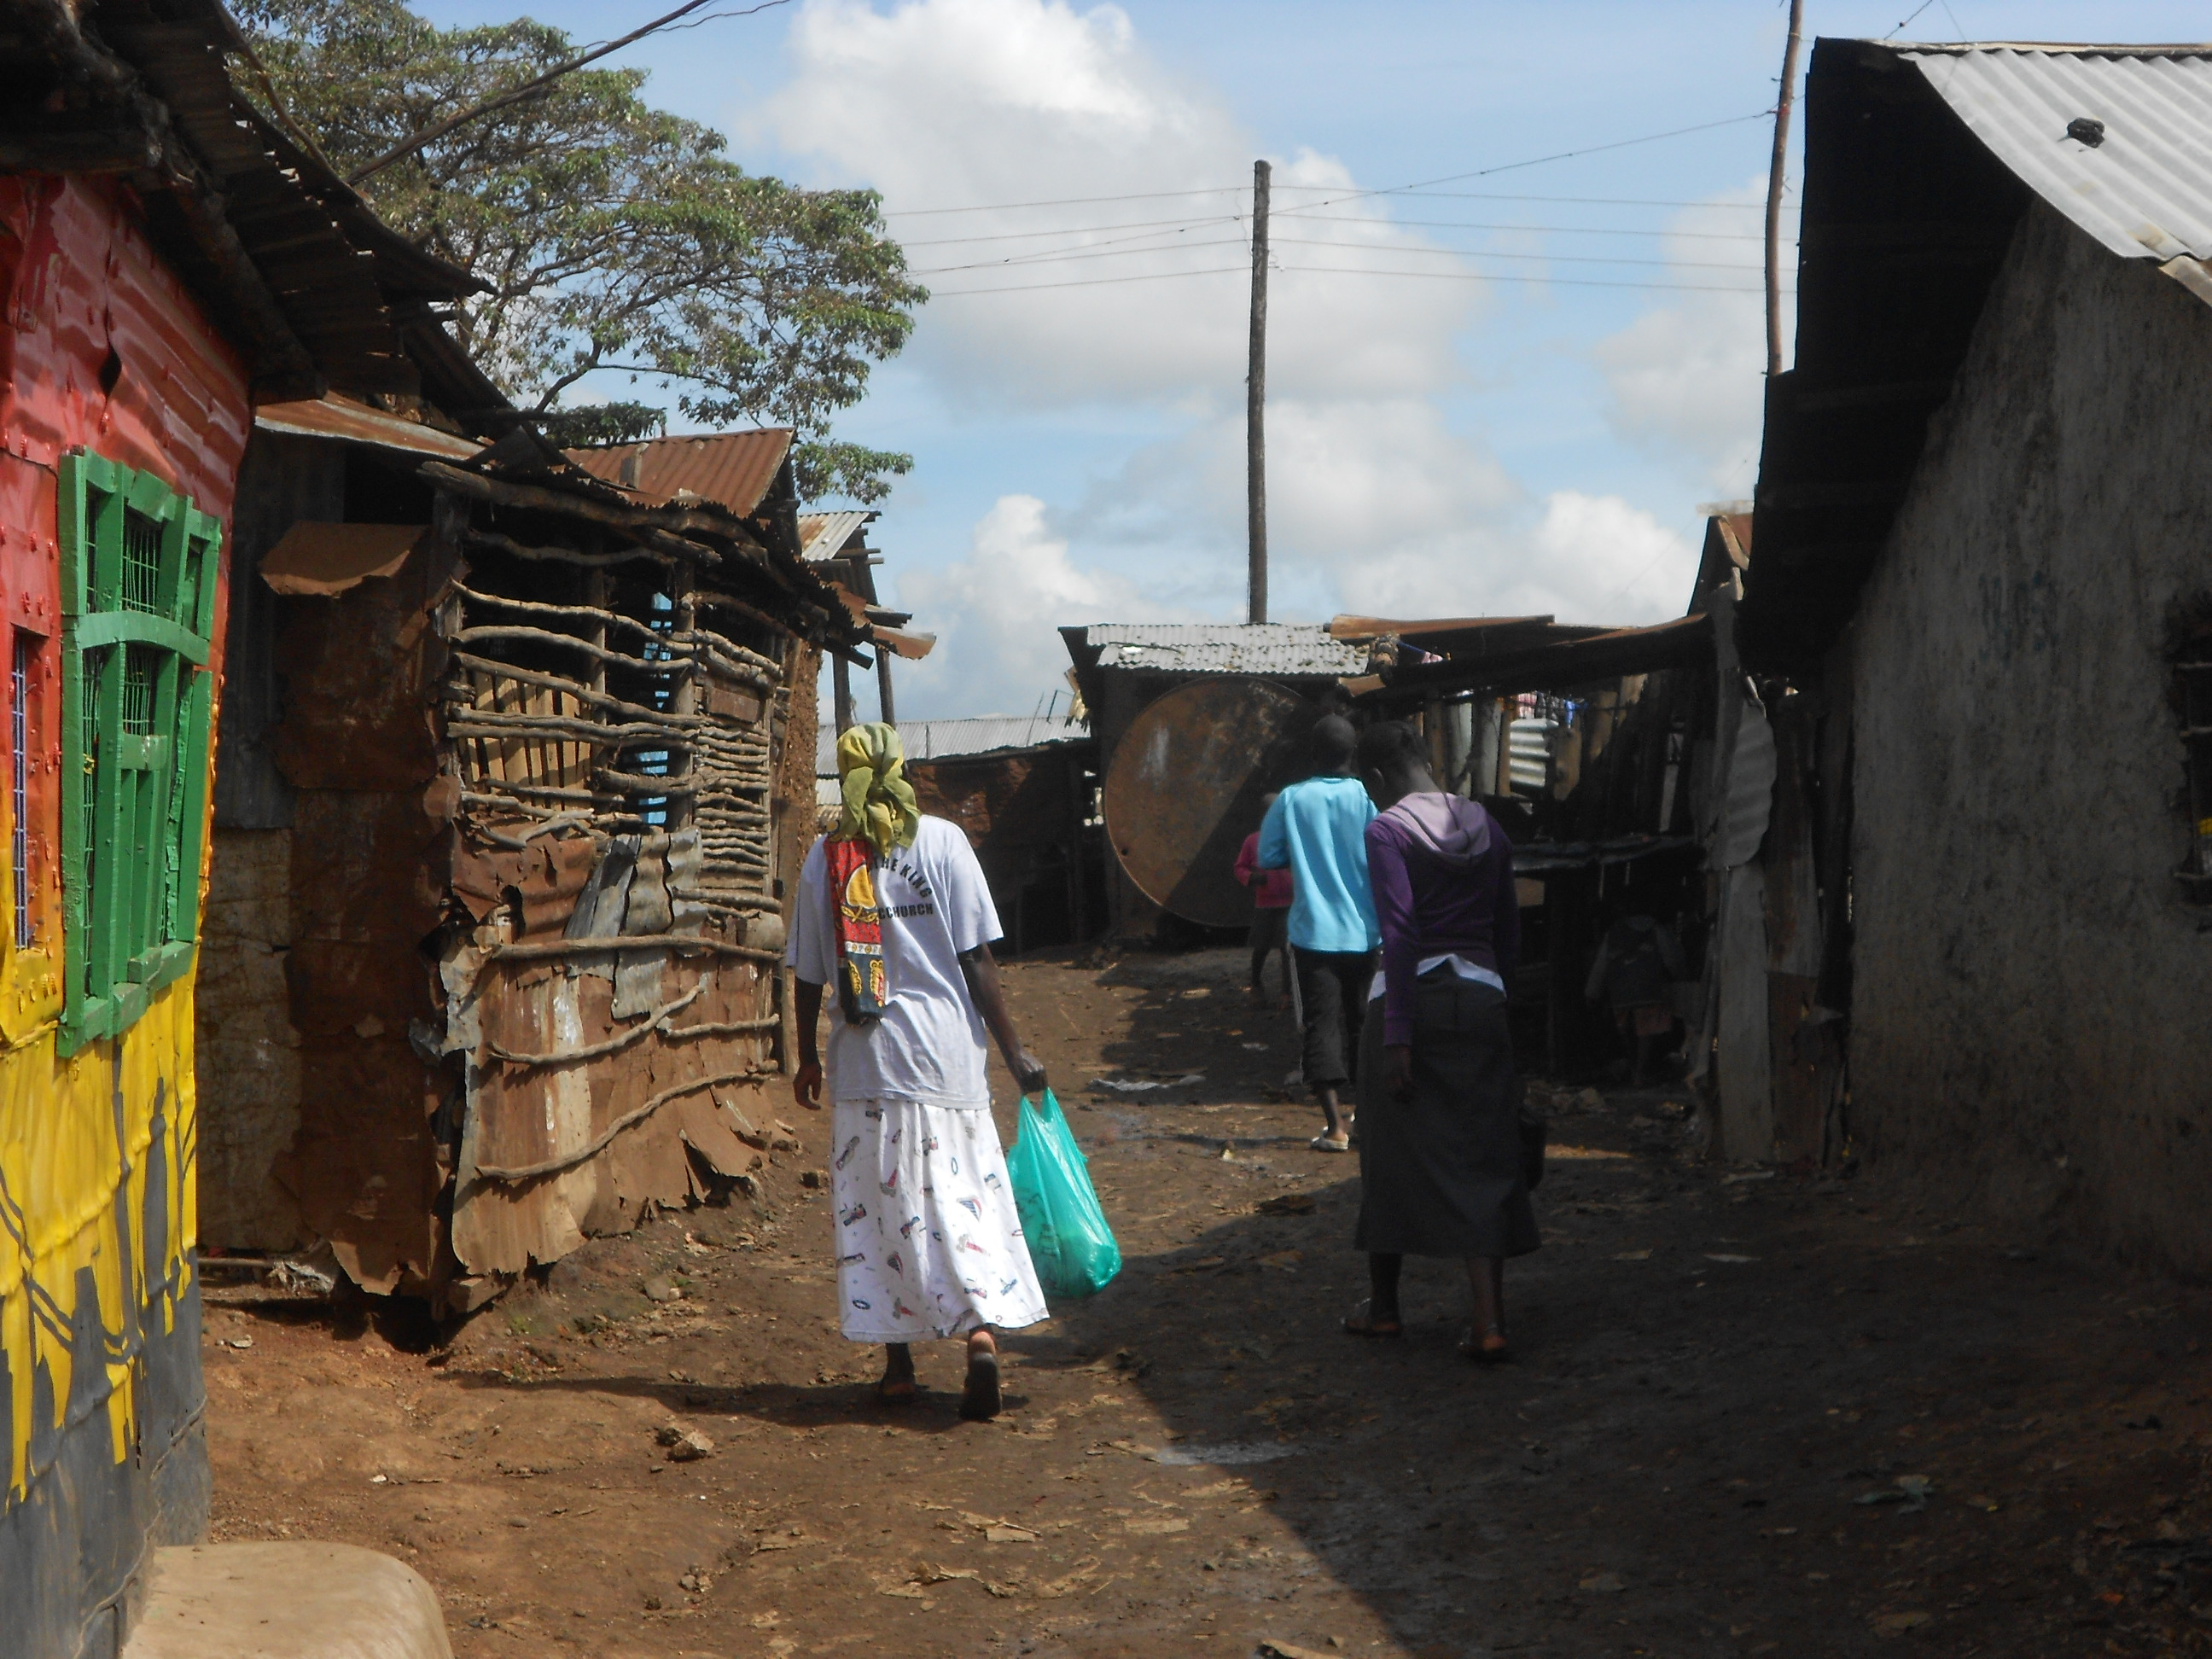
[1176,226]
[1582,201]
[1073,230]
[1549,230]
[1046,255]
[1090,282]
[1506,276]
[1061,258]
[1446,276]
[1470,254]
[1352,196]
[431,134]
[1067,201]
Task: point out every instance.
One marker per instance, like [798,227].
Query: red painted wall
[100,346]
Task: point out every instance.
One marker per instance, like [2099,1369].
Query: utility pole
[1256,410]
[1774,177]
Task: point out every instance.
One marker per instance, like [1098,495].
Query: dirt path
[1751,1416]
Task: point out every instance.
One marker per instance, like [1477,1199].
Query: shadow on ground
[1744,1416]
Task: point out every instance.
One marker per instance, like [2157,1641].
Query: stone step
[286,1601]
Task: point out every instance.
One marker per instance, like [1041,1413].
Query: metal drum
[1184,790]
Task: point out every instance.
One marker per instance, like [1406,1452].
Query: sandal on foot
[896,1391]
[1330,1144]
[1471,1346]
[1363,1321]
[980,1397]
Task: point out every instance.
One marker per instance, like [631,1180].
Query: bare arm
[806,1082]
[980,970]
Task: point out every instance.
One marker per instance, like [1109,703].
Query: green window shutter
[139,571]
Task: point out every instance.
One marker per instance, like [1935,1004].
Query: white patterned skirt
[928,1241]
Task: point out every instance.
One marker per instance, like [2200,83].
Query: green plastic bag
[1070,1243]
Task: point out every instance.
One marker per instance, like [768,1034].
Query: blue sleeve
[1274,839]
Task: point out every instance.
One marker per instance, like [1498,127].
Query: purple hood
[1448,827]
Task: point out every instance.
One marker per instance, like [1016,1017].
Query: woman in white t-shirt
[892,909]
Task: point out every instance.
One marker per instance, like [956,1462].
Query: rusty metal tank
[1184,789]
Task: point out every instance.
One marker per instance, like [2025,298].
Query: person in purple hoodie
[1440,1147]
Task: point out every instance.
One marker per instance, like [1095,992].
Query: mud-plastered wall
[2028,1031]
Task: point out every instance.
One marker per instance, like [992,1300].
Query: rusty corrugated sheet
[730,468]
[338,417]
[824,534]
[1549,664]
[1275,648]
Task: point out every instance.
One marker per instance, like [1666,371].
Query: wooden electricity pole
[1774,179]
[1256,410]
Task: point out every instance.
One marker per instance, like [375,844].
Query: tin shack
[505,840]
[169,266]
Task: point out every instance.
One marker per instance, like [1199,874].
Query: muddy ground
[1751,1414]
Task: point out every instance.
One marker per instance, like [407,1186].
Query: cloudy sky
[1498,382]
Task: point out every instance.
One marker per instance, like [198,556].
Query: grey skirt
[1440,1172]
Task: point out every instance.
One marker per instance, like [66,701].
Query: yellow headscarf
[879,805]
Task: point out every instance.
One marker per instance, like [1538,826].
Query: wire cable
[1045,256]
[1090,282]
[1548,230]
[1469,253]
[1447,276]
[1352,196]
[1507,276]
[1062,258]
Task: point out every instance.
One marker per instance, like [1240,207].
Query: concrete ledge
[286,1601]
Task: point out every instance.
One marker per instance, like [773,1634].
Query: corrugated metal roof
[942,739]
[1296,648]
[730,468]
[821,534]
[333,418]
[2145,190]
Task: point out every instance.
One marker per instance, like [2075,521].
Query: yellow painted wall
[63,1158]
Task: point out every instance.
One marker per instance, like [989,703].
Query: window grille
[138,573]
[19,782]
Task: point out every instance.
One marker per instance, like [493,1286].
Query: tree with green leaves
[614,236]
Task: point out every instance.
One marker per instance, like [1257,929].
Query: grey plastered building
[1985,582]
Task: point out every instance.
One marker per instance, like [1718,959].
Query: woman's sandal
[1363,1321]
[1474,1346]
[897,1391]
[1330,1144]
[980,1397]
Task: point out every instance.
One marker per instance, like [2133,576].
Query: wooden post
[841,691]
[883,682]
[1255,408]
[1774,177]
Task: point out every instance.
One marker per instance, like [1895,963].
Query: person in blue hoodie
[1317,829]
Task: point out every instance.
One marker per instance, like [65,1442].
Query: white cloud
[945,103]
[1580,559]
[1375,503]
[1687,378]
[996,613]
[1380,508]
